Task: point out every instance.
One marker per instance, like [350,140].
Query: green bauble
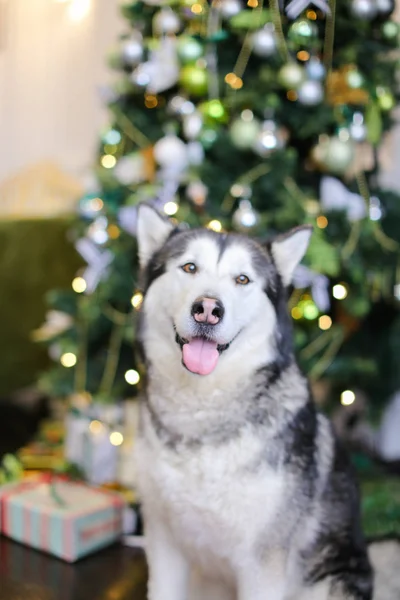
[189,49]
[194,80]
[336,154]
[244,133]
[213,110]
[390,30]
[291,75]
[385,98]
[302,32]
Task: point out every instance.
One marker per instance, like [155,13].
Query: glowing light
[116,438]
[108,161]
[312,15]
[150,101]
[96,204]
[197,8]
[79,285]
[296,312]
[215,225]
[252,3]
[347,397]
[112,137]
[310,311]
[322,222]
[230,77]
[291,95]
[96,427]
[114,231]
[68,359]
[79,9]
[237,84]
[324,322]
[339,291]
[247,115]
[170,208]
[132,377]
[303,55]
[137,300]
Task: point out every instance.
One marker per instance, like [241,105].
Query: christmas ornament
[244,131]
[213,110]
[194,80]
[375,209]
[364,9]
[178,105]
[390,30]
[335,153]
[166,21]
[189,49]
[171,151]
[245,217]
[270,138]
[357,128]
[98,262]
[291,75]
[335,196]
[310,93]
[354,78]
[302,32]
[315,69]
[192,125]
[130,169]
[264,42]
[296,7]
[132,49]
[338,91]
[229,8]
[197,192]
[161,71]
[385,98]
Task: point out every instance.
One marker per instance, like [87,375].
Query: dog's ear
[288,249]
[152,231]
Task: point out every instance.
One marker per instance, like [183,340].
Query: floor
[117,573]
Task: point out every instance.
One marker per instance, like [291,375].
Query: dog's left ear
[288,249]
[152,231]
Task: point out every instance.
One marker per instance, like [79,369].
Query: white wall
[50,70]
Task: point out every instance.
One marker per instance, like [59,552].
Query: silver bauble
[269,139]
[385,7]
[339,155]
[291,75]
[132,49]
[364,9]
[171,151]
[245,217]
[315,69]
[264,42]
[192,125]
[310,93]
[229,8]
[243,133]
[166,21]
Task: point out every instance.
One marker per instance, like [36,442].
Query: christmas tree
[249,117]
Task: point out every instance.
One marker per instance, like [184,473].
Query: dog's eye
[189,268]
[242,280]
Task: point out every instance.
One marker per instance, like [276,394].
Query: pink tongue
[200,356]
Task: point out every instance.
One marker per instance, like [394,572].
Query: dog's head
[213,300]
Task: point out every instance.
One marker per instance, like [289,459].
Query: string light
[312,15]
[324,322]
[116,438]
[215,225]
[170,208]
[150,101]
[303,55]
[339,291]
[310,311]
[291,95]
[252,3]
[68,360]
[347,397]
[96,427]
[132,377]
[137,300]
[296,312]
[197,8]
[113,231]
[79,285]
[322,222]
[108,161]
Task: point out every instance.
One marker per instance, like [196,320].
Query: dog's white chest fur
[204,495]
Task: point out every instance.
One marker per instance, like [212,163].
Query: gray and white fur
[247,494]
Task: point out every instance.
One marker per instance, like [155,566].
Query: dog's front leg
[263,580]
[168,569]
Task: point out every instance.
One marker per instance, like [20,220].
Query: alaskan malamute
[246,493]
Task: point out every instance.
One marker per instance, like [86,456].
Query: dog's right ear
[152,231]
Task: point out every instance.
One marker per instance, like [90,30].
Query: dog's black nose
[208,310]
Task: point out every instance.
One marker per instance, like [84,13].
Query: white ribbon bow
[304,277]
[335,196]
[296,7]
[98,262]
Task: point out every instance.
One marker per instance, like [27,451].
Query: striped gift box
[70,524]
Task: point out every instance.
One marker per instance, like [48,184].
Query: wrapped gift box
[66,519]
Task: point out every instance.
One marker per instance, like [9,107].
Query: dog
[246,492]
